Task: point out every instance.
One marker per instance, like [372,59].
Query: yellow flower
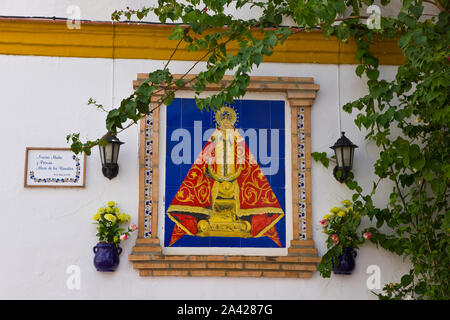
[110,217]
[116,210]
[334,210]
[109,210]
[111,204]
[101,210]
[123,217]
[327,216]
[346,203]
[341,213]
[96,216]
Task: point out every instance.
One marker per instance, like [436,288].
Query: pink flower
[335,238]
[324,222]
[123,237]
[367,235]
[133,227]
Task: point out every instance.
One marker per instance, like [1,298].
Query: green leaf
[169,98]
[177,33]
[380,222]
[322,157]
[360,70]
[373,74]
[131,108]
[406,4]
[421,287]
[406,280]
[418,163]
[351,184]
[416,11]
[446,170]
[271,38]
[179,83]
[438,187]
[359,54]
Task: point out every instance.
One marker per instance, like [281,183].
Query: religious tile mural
[225,179]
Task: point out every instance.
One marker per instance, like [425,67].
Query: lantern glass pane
[102,154]
[339,158]
[109,153]
[116,152]
[352,154]
[347,153]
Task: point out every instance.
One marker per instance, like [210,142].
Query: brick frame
[302,258]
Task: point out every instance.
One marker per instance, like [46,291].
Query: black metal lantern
[344,150]
[109,154]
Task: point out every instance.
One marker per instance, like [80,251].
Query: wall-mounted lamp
[344,150]
[109,154]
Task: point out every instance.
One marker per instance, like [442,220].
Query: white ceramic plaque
[54,167]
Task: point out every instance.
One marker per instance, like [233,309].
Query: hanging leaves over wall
[416,102]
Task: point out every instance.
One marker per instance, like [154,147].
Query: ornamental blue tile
[189,194]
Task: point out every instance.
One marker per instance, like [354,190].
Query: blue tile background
[264,114]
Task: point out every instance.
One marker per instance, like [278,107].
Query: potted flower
[108,220]
[341,226]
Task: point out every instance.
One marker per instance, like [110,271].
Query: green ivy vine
[415,104]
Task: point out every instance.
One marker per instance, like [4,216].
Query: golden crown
[226,113]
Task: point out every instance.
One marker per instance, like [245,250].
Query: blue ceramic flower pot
[106,257]
[346,262]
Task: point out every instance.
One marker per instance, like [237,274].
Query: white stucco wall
[42,99]
[45,230]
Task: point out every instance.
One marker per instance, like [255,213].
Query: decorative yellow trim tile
[22,36]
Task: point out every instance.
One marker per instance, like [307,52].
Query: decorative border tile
[148,176]
[301,174]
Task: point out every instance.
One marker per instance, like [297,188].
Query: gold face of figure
[226,117]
